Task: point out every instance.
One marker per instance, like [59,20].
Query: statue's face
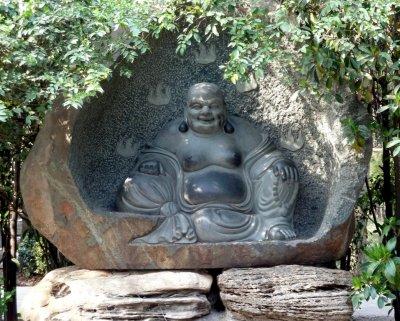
[206,110]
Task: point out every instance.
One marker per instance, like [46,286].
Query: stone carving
[159,95]
[205,55]
[248,85]
[70,186]
[213,178]
[292,141]
[127,148]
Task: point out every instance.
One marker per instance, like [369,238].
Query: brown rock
[96,239]
[71,177]
[72,294]
[282,293]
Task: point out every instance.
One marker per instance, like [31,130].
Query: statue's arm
[169,137]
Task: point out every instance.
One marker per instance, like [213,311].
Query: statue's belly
[214,185]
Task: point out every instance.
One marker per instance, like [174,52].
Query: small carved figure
[248,85]
[160,95]
[292,141]
[205,55]
[212,178]
[127,148]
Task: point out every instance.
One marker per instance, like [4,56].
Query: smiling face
[206,111]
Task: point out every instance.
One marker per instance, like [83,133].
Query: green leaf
[215,30]
[373,293]
[393,142]
[391,244]
[383,108]
[356,300]
[371,267]
[3,113]
[381,302]
[386,230]
[207,30]
[339,98]
[357,283]
[390,270]
[396,151]
[366,293]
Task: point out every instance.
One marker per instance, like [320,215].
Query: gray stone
[213,178]
[72,294]
[282,293]
[72,177]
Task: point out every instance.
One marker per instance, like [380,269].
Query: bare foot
[281,232]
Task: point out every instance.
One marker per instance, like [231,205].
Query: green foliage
[51,48]
[380,276]
[356,134]
[252,36]
[65,49]
[31,256]
[5,297]
[348,44]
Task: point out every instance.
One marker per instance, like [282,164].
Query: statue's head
[205,112]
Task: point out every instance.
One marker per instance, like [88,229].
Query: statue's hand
[151,168]
[286,170]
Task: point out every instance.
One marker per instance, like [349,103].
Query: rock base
[282,293]
[287,293]
[72,294]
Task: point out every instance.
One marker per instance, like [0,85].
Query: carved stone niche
[72,179]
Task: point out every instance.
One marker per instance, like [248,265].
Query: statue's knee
[203,225]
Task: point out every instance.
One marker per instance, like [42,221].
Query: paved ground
[22,292]
[369,310]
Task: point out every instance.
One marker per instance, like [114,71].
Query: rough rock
[72,294]
[283,293]
[80,159]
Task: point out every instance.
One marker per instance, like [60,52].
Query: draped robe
[269,200]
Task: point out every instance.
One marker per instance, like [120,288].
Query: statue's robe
[269,201]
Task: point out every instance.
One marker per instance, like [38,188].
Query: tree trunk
[396,160]
[387,192]
[10,247]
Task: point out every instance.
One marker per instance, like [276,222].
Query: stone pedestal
[72,294]
[282,293]
[287,293]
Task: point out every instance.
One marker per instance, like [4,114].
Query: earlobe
[183,127]
[228,128]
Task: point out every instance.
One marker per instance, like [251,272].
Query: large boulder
[80,159]
[290,292]
[72,294]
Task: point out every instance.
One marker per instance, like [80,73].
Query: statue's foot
[281,232]
[183,230]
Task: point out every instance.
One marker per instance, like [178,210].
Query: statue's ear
[183,127]
[228,128]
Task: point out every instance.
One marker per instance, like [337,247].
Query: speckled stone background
[124,112]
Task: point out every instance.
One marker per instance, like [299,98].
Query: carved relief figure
[212,177]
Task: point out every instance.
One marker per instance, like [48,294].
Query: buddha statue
[212,177]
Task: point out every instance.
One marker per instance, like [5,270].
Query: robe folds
[269,200]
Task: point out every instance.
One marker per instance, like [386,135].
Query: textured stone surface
[80,159]
[281,293]
[369,311]
[72,294]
